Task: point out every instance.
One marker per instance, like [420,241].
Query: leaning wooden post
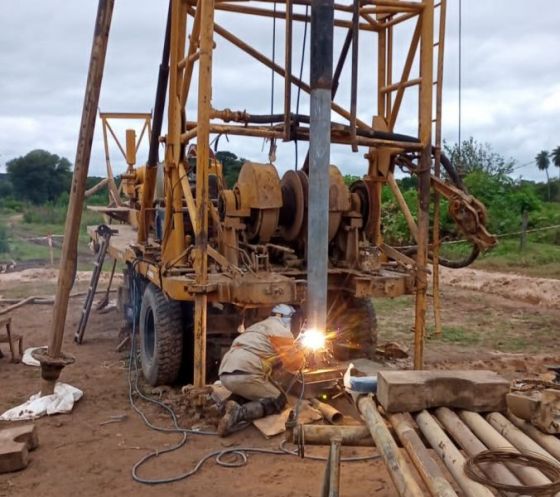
[53,361]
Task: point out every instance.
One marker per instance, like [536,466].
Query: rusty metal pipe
[356,436]
[398,468]
[332,415]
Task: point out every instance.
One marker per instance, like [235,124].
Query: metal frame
[371,18]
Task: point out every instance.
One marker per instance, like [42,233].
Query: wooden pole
[68,260]
[494,441]
[202,162]
[550,442]
[518,439]
[429,470]
[450,455]
[399,470]
[426,73]
[472,446]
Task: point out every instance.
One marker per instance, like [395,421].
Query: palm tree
[556,159]
[543,161]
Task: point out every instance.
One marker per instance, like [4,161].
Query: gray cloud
[510,84]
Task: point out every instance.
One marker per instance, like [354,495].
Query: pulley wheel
[293,206]
[361,188]
[262,224]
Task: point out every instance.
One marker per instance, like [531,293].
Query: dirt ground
[79,456]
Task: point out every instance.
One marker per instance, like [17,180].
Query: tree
[543,161]
[556,159]
[39,176]
[231,166]
[474,156]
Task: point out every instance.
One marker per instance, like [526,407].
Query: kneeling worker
[247,367]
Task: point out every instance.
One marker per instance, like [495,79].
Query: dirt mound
[539,291]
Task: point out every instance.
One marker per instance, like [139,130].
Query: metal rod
[322,30]
[332,415]
[354,73]
[288,66]
[437,172]
[153,152]
[68,260]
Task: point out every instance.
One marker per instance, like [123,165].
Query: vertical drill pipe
[336,80]
[153,156]
[437,168]
[426,70]
[322,29]
[202,161]
[68,260]
[288,73]
[398,468]
[427,467]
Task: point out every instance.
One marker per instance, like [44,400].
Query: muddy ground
[80,456]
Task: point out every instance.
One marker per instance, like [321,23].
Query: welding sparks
[313,339]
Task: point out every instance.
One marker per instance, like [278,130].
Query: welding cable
[240,454]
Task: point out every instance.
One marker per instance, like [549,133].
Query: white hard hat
[284,310]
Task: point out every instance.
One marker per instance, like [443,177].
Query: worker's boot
[236,414]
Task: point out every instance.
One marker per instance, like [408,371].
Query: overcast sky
[510,83]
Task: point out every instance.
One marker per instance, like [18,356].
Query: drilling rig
[201,258]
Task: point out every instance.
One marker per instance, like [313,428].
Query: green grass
[455,334]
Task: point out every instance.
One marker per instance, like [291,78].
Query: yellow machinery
[202,259]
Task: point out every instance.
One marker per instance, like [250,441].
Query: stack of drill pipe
[518,439]
[494,441]
[473,446]
[357,436]
[429,470]
[332,415]
[450,455]
[549,442]
[399,470]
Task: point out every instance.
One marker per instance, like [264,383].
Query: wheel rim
[149,335]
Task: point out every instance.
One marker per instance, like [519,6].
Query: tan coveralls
[246,368]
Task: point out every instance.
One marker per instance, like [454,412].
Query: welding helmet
[285,312]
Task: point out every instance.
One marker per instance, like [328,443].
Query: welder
[263,349]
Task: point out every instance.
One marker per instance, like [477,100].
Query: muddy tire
[161,337]
[356,323]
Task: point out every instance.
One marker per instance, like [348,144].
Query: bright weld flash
[313,339]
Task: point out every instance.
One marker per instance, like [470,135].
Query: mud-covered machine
[202,258]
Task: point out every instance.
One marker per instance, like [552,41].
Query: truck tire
[161,337]
[356,326]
